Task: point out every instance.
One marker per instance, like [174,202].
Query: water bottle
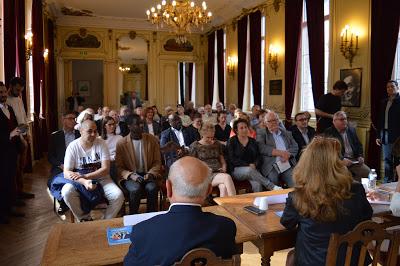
[372,179]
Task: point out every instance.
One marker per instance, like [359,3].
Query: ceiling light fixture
[180,15]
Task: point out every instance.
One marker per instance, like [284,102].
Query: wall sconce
[28,45]
[273,58]
[46,54]
[348,46]
[231,64]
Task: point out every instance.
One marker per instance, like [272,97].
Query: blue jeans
[388,162]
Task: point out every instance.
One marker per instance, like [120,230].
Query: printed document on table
[137,218]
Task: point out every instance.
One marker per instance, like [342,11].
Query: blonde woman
[210,151]
[324,201]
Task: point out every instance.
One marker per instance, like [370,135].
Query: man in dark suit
[352,150]
[133,101]
[9,141]
[302,132]
[74,101]
[188,185]
[59,141]
[178,134]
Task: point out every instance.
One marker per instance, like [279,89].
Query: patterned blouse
[209,154]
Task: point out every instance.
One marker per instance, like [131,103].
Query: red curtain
[220,64]
[255,55]
[51,80]
[39,93]
[9,18]
[242,44]
[293,13]
[211,45]
[190,81]
[385,18]
[315,26]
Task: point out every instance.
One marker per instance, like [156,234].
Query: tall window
[262,58]
[306,95]
[396,66]
[223,100]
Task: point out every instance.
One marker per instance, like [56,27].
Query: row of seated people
[274,144]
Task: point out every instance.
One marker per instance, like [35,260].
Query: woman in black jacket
[324,201]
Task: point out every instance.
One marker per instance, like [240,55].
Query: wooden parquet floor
[23,240]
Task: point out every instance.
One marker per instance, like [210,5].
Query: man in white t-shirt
[89,154]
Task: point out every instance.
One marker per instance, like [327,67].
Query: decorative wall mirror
[133,64]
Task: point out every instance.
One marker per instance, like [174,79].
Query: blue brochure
[117,236]
[279,213]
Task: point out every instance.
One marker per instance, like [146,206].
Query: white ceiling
[131,13]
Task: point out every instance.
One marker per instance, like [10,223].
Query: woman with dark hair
[211,152]
[325,200]
[243,155]
[151,126]
[222,129]
[157,115]
[108,134]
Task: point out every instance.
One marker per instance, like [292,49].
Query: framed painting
[83,87]
[353,79]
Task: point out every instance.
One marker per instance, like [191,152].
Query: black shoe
[63,208]
[16,213]
[26,195]
[4,220]
[86,220]
[19,203]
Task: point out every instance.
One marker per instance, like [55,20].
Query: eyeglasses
[273,121]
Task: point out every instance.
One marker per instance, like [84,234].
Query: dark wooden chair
[204,256]
[365,233]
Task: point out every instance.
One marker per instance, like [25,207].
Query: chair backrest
[364,233]
[204,256]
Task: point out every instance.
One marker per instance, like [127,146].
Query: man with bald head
[87,162]
[164,239]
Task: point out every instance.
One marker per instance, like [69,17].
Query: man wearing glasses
[59,142]
[301,131]
[278,150]
[352,150]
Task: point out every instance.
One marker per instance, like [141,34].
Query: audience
[157,115]
[111,138]
[164,122]
[185,226]
[255,111]
[194,128]
[211,152]
[86,114]
[208,116]
[219,107]
[74,101]
[329,104]
[222,129]
[243,156]
[124,111]
[352,150]
[302,132]
[120,126]
[139,111]
[189,109]
[278,150]
[325,200]
[388,126]
[138,162]
[151,126]
[59,142]
[231,113]
[86,159]
[9,139]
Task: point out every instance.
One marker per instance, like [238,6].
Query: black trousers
[137,191]
[8,185]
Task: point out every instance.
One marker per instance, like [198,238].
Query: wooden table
[272,236]
[86,243]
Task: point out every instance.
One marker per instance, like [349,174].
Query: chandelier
[180,15]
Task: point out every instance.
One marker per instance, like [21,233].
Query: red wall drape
[9,40]
[293,14]
[385,18]
[220,64]
[255,54]
[241,67]
[315,26]
[211,45]
[51,80]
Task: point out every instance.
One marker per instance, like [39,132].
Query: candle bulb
[356,41]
